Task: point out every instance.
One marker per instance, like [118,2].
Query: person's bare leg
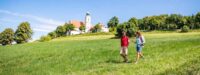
[137,58]
[141,55]
[124,54]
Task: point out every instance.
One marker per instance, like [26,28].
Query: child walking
[124,46]
[139,44]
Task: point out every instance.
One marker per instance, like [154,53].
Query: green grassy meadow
[165,54]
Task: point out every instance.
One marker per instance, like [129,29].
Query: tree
[60,31]
[7,36]
[23,33]
[154,23]
[191,21]
[112,23]
[176,19]
[161,22]
[82,28]
[126,26]
[133,23]
[120,28]
[97,28]
[182,22]
[68,28]
[146,23]
[197,20]
[52,34]
[140,24]
[172,26]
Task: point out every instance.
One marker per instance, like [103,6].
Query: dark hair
[138,33]
[123,32]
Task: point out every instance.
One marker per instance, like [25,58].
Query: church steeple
[87,13]
[88,22]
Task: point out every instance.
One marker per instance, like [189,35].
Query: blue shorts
[138,48]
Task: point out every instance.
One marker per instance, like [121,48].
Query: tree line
[21,35]
[167,22]
[161,22]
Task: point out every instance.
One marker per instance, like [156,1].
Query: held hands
[142,44]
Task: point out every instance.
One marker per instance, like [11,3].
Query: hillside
[165,53]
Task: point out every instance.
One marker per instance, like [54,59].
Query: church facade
[87,23]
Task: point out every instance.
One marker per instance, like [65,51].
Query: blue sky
[45,15]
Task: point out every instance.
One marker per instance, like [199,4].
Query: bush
[60,31]
[172,26]
[52,35]
[185,28]
[7,37]
[112,29]
[45,38]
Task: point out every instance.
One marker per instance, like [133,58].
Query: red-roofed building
[87,23]
[76,23]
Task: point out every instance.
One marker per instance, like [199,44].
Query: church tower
[88,23]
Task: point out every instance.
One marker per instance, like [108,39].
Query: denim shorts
[138,48]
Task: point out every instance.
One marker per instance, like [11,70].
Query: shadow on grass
[117,61]
[189,68]
[114,37]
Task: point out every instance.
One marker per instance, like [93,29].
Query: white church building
[87,23]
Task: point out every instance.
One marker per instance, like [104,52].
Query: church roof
[76,23]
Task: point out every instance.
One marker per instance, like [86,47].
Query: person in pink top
[124,46]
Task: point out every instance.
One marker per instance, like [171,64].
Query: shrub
[185,28]
[113,29]
[45,38]
[172,26]
[52,35]
[60,31]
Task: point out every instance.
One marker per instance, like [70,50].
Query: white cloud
[43,24]
[44,27]
[40,30]
[8,20]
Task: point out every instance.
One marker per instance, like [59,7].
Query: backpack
[142,41]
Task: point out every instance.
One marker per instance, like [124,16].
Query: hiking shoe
[136,62]
[142,57]
[125,61]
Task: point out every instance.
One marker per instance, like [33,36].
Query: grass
[165,54]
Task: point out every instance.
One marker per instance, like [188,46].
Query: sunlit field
[165,54]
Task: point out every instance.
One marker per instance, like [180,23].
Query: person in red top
[124,46]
